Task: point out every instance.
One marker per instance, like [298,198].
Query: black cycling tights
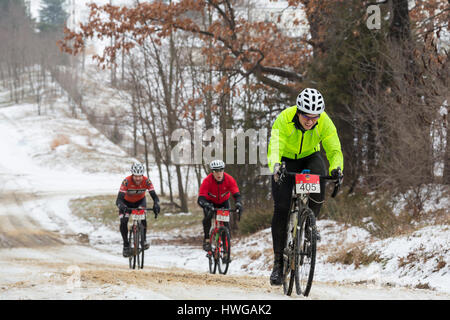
[124,217]
[124,229]
[282,194]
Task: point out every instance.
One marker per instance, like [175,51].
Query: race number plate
[223,215]
[138,214]
[307,183]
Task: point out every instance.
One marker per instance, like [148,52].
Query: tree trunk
[446,178]
[181,193]
[400,25]
[169,180]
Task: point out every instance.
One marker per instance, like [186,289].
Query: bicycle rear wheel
[306,257]
[223,250]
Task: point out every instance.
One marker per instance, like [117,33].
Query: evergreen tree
[52,15]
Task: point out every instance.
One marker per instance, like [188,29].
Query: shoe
[126,251]
[206,245]
[276,278]
[146,245]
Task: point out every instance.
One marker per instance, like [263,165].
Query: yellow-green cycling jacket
[288,141]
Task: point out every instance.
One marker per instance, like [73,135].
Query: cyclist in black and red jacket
[132,195]
[215,192]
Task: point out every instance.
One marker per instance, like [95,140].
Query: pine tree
[52,15]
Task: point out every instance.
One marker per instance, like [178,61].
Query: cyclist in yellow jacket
[295,139]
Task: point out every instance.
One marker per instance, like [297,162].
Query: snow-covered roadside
[418,260]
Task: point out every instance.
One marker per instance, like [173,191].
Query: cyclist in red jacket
[132,195]
[215,192]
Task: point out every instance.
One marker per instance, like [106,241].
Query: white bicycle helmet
[217,165]
[310,101]
[137,169]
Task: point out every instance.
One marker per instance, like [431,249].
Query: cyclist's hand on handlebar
[156,208]
[123,208]
[276,172]
[336,173]
[209,206]
[338,176]
[239,209]
[279,172]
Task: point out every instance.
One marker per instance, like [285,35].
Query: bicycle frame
[214,234]
[220,240]
[137,215]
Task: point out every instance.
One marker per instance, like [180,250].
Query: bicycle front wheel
[289,254]
[223,250]
[141,250]
[306,257]
[212,264]
[288,276]
[212,255]
[132,241]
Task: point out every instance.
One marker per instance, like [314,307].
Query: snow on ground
[69,145]
[421,259]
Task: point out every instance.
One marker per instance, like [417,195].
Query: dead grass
[102,210]
[256,219]
[254,255]
[440,264]
[425,286]
[59,141]
[356,255]
[375,213]
[421,256]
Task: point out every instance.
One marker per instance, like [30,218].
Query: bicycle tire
[137,244]
[212,264]
[306,257]
[224,250]
[141,250]
[288,255]
[288,277]
[131,241]
[212,254]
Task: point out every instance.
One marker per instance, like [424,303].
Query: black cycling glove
[156,208]
[239,207]
[123,208]
[336,173]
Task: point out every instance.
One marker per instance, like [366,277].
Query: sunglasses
[218,170]
[310,118]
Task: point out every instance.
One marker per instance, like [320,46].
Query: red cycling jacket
[134,192]
[218,192]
